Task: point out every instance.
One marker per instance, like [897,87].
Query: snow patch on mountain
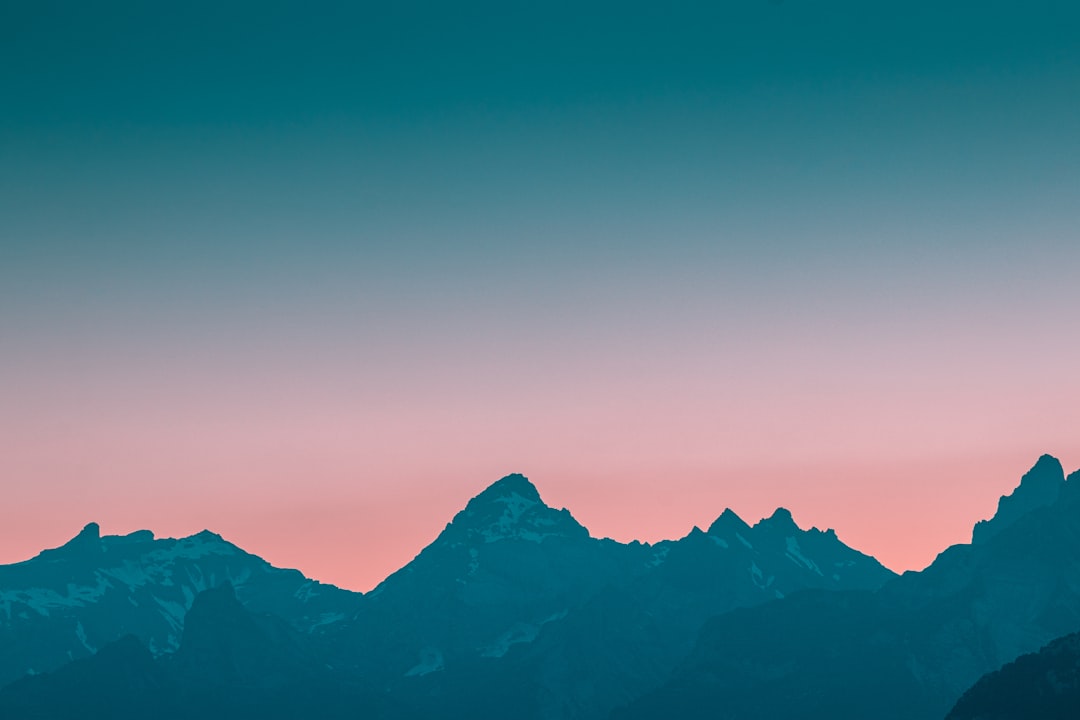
[305,592]
[326,619]
[42,600]
[474,561]
[80,633]
[520,632]
[756,575]
[507,525]
[659,556]
[172,612]
[794,553]
[431,660]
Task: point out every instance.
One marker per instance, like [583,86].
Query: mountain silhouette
[505,566]
[626,637]
[120,681]
[516,610]
[1038,488]
[232,663]
[516,603]
[907,650]
[1044,685]
[476,624]
[69,601]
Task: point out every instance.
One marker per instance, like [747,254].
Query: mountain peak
[512,508]
[87,541]
[513,484]
[1039,487]
[728,520]
[781,518]
[782,514]
[1046,465]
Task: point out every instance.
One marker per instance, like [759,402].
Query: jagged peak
[206,542]
[1040,486]
[511,508]
[728,520]
[133,538]
[781,514]
[781,518]
[512,484]
[86,542]
[1071,488]
[511,495]
[1047,471]
[87,538]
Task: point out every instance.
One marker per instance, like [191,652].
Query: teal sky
[739,253]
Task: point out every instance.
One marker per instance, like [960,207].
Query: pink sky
[300,460]
[335,424]
[314,294]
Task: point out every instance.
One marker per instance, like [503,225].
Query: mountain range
[70,601]
[515,610]
[908,649]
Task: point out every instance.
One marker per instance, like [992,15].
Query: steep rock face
[1044,685]
[907,650]
[1039,487]
[67,602]
[119,682]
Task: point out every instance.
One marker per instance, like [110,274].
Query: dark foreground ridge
[1044,685]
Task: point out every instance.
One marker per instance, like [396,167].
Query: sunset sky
[312,277]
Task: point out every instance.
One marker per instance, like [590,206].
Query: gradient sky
[313,277]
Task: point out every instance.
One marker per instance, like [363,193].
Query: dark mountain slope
[66,603]
[625,615]
[514,610]
[906,651]
[231,664]
[1043,685]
